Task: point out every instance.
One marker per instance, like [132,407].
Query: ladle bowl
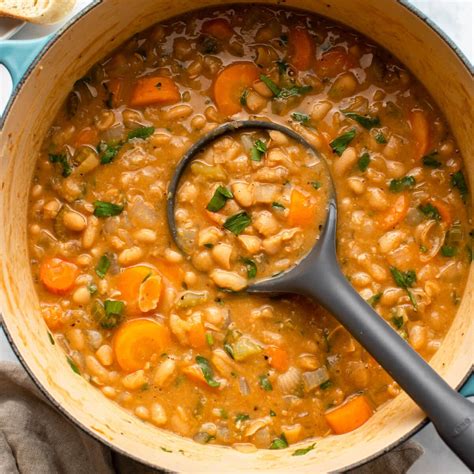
[318,276]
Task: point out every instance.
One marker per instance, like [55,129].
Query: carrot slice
[350,415]
[229,85]
[149,293]
[334,62]
[154,90]
[218,28]
[197,336]
[128,283]
[136,341]
[301,49]
[302,210]
[87,136]
[443,209]
[397,212]
[194,373]
[58,275]
[171,272]
[421,132]
[52,316]
[278,358]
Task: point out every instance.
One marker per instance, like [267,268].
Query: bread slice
[36,11]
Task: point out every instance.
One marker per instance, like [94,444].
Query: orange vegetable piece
[278,358]
[58,275]
[334,62]
[194,373]
[137,340]
[52,316]
[129,281]
[350,415]
[154,90]
[302,210]
[218,28]
[87,136]
[197,336]
[230,83]
[421,132]
[171,272]
[444,210]
[397,212]
[301,49]
[149,293]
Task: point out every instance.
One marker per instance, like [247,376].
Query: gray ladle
[319,277]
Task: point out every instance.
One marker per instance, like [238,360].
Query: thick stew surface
[172,338]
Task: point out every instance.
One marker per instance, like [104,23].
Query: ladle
[318,276]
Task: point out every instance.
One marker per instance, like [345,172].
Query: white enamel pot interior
[86,40]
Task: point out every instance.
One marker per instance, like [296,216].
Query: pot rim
[17,89]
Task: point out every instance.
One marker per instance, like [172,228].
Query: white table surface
[455,17]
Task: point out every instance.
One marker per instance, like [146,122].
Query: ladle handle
[451,414]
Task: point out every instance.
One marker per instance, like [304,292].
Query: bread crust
[55,11]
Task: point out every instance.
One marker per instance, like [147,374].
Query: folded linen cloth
[36,439]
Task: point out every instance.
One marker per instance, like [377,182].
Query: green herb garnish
[398,321]
[303,451]
[282,66]
[63,161]
[221,195]
[209,338]
[374,299]
[265,383]
[430,211]
[207,371]
[270,84]
[102,266]
[405,280]
[258,150]
[363,162]
[459,181]
[243,97]
[73,366]
[238,222]
[108,152]
[272,413]
[326,385]
[251,267]
[113,313]
[340,143]
[299,117]
[279,443]
[284,93]
[241,417]
[364,120]
[398,185]
[316,184]
[448,251]
[380,138]
[106,209]
[141,132]
[430,160]
[277,205]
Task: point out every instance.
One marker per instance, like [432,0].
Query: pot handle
[18,55]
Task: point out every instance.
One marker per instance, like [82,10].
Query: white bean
[173,256]
[81,296]
[346,161]
[134,380]
[230,280]
[130,256]
[164,371]
[105,354]
[158,414]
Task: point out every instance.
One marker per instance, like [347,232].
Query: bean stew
[170,336]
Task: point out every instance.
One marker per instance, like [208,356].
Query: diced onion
[315,378]
[244,386]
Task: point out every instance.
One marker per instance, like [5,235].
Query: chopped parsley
[73,366]
[326,385]
[380,137]
[141,132]
[279,443]
[113,313]
[316,184]
[243,97]
[364,120]
[251,267]
[374,299]
[363,162]
[448,251]
[265,383]
[340,143]
[459,181]
[299,117]
[405,280]
[270,84]
[241,417]
[303,451]
[108,152]
[430,211]
[221,195]
[238,222]
[102,266]
[63,161]
[400,184]
[430,160]
[106,209]
[277,205]
[284,93]
[207,371]
[258,150]
[209,338]
[398,321]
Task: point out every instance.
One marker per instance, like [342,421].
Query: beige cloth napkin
[36,439]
